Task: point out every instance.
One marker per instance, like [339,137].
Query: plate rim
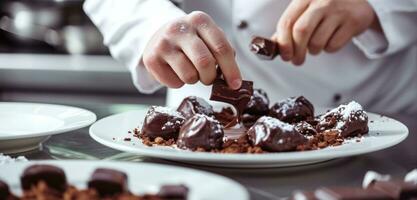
[51,132]
[100,163]
[236,158]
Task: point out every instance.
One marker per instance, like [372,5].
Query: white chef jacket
[379,70]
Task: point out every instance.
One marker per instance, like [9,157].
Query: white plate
[384,132]
[23,126]
[142,178]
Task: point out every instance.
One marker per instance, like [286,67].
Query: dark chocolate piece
[4,190]
[293,110]
[108,182]
[177,192]
[274,135]
[162,122]
[238,98]
[264,48]
[305,128]
[201,131]
[258,103]
[347,193]
[396,189]
[52,176]
[249,120]
[350,120]
[192,105]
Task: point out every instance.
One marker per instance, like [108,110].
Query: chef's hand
[316,25]
[187,50]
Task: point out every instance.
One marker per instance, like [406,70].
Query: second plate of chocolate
[252,132]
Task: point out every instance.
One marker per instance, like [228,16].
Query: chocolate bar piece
[347,193]
[264,48]
[396,189]
[238,98]
[52,176]
[108,182]
[177,192]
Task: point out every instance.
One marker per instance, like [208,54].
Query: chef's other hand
[187,50]
[316,25]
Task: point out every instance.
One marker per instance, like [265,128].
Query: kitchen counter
[272,183]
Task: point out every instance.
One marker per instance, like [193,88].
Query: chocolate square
[108,182]
[178,192]
[264,48]
[52,176]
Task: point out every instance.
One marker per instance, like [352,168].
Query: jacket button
[337,97]
[242,25]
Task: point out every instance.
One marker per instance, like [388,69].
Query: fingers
[219,46]
[322,34]
[182,66]
[162,72]
[339,38]
[302,31]
[200,56]
[285,27]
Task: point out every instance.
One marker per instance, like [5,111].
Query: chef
[332,51]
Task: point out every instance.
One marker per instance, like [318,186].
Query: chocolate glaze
[237,98]
[264,48]
[177,192]
[201,131]
[274,135]
[52,176]
[293,110]
[349,125]
[108,182]
[160,122]
[192,105]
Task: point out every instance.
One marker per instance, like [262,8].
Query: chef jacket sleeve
[398,19]
[127,26]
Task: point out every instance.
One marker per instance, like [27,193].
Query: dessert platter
[250,131]
[82,180]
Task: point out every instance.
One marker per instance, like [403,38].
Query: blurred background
[51,52]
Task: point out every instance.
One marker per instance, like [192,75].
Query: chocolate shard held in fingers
[349,119]
[274,135]
[238,98]
[108,182]
[396,189]
[348,193]
[162,122]
[201,131]
[177,192]
[52,176]
[192,105]
[293,110]
[264,48]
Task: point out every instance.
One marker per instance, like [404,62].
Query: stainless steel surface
[60,24]
[272,183]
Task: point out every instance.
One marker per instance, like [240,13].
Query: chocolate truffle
[52,176]
[178,192]
[274,135]
[108,182]
[192,105]
[349,119]
[162,122]
[258,103]
[201,131]
[293,110]
[264,48]
[4,190]
[305,128]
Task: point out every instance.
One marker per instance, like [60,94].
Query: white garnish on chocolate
[168,111]
[372,176]
[411,176]
[276,123]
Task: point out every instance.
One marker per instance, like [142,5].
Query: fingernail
[236,84]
